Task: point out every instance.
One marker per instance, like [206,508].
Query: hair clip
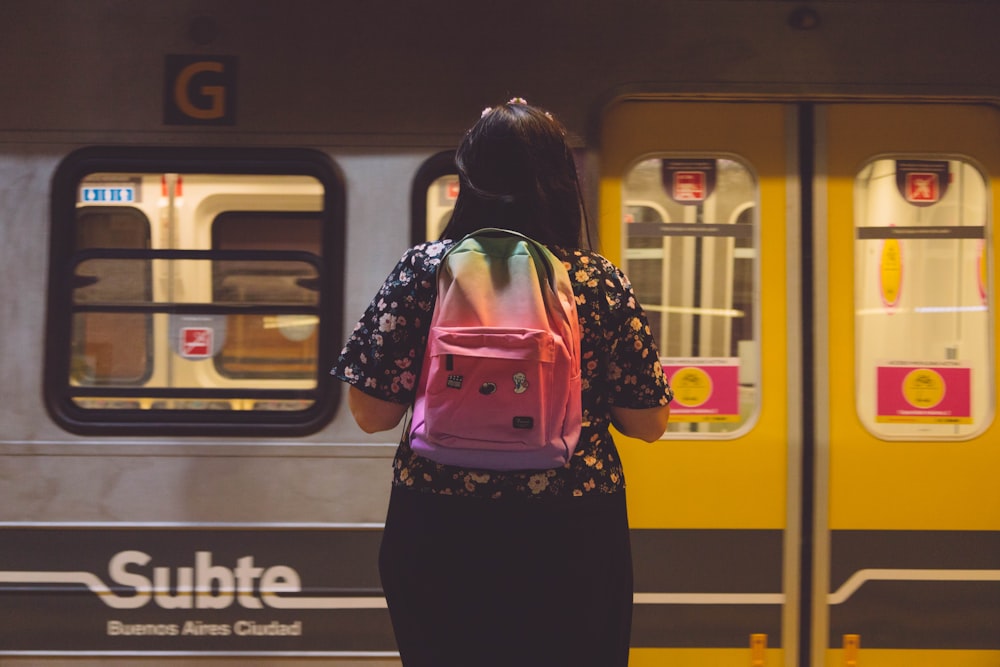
[485,111]
[517,100]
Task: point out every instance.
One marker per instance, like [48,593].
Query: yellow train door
[908,524]
[695,202]
[820,280]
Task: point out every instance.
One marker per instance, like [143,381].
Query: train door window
[922,283]
[690,239]
[192,291]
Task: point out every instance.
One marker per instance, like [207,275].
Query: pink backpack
[500,385]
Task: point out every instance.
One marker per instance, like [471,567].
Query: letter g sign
[199,90]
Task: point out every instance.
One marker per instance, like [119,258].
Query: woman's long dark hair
[517,172]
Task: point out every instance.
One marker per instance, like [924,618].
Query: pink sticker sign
[933,394]
[705,389]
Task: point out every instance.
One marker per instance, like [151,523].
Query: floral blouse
[621,367]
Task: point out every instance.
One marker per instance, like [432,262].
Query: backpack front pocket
[490,387]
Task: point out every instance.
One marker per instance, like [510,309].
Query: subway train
[198,199]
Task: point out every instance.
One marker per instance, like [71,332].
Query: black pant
[508,583]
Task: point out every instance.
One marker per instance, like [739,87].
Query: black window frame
[325,396]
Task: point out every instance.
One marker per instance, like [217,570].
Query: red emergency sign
[922,187]
[196,342]
[689,186]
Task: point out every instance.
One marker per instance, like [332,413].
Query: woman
[523,568]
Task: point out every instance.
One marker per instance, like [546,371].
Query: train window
[267,345]
[922,321]
[435,189]
[99,355]
[690,249]
[441,196]
[192,291]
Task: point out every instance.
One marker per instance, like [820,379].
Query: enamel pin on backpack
[500,385]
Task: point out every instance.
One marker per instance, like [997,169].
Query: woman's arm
[373,414]
[646,423]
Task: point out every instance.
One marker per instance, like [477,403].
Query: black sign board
[205,589]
